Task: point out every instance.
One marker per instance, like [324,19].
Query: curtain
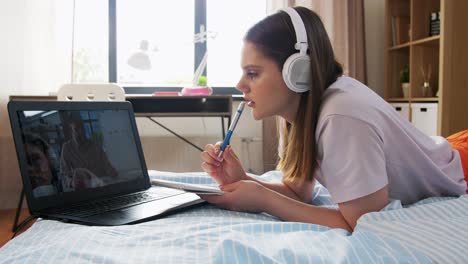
[344,22]
[36,59]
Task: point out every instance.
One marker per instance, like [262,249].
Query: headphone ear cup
[296,73]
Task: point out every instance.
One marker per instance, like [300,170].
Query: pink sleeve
[351,157]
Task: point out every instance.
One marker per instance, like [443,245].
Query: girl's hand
[246,196]
[224,170]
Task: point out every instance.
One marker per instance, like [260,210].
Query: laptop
[83,162]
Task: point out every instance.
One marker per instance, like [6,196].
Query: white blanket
[433,230]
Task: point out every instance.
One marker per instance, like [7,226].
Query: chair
[91,92]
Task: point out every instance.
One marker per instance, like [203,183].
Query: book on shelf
[434,24]
[400,26]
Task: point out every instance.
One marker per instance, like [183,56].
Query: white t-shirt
[364,145]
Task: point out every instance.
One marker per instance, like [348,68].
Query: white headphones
[296,68]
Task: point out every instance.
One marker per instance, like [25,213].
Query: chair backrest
[91,92]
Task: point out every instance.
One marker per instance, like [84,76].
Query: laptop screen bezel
[36,204]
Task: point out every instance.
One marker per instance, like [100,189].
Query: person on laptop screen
[43,177]
[83,162]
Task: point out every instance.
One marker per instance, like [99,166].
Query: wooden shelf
[395,99]
[401,46]
[433,40]
[425,99]
[429,40]
[413,100]
[444,55]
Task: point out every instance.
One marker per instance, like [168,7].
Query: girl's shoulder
[349,97]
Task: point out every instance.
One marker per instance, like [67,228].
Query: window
[230,20]
[91,124]
[159,44]
[155,42]
[90,41]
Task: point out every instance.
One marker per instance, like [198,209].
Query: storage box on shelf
[403,109]
[437,62]
[424,117]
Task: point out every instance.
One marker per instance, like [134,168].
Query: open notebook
[188,187]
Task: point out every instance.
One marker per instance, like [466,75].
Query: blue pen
[231,128]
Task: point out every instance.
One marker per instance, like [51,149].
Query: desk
[168,106]
[183,106]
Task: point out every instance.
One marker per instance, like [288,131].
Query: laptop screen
[75,150]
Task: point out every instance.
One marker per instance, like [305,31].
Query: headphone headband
[299,28]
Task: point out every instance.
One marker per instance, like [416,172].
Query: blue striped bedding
[434,230]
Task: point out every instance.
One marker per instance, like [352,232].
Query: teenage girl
[333,129]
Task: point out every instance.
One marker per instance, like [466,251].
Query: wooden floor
[6,222]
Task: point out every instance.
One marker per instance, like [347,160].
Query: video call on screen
[74,150]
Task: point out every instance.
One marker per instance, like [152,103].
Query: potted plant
[202,81]
[404,80]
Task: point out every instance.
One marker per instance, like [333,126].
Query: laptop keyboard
[114,203]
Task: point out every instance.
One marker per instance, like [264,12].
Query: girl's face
[263,86]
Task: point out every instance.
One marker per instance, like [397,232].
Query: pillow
[459,141]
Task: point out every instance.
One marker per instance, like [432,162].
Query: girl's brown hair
[275,37]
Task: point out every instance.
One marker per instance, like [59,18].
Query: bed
[434,230]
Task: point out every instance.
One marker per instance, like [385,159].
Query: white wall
[374,12]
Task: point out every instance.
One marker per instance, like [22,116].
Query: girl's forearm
[278,187]
[288,209]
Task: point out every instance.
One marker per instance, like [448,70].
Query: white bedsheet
[433,230]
